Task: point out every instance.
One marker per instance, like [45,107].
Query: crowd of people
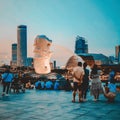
[47,85]
[83,80]
[20,82]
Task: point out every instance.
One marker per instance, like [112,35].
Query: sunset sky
[98,21]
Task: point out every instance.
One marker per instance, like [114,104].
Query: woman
[96,86]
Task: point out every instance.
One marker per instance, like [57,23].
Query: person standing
[78,74]
[85,84]
[7,78]
[96,85]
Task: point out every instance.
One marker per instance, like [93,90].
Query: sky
[98,21]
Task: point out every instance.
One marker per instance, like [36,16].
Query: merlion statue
[42,54]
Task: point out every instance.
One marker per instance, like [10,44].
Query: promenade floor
[56,105]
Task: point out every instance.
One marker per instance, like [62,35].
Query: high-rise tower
[117,53]
[21,45]
[80,45]
[14,54]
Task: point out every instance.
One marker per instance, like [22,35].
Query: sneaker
[7,95]
[84,100]
[94,100]
[73,101]
[3,94]
[80,100]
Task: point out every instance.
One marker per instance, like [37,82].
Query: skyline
[97,21]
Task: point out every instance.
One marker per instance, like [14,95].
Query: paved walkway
[55,105]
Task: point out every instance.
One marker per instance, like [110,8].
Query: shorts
[77,86]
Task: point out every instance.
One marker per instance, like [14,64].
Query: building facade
[30,62]
[81,45]
[117,53]
[94,58]
[21,45]
[14,54]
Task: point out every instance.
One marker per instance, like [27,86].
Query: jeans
[6,86]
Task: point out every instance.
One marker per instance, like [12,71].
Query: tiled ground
[55,105]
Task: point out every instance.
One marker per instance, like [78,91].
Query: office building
[14,54]
[30,62]
[117,53]
[81,45]
[21,45]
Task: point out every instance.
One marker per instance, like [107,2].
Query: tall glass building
[21,45]
[117,53]
[81,45]
[14,54]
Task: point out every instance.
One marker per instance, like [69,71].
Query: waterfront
[55,105]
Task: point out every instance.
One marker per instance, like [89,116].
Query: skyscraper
[117,53]
[21,45]
[14,54]
[80,45]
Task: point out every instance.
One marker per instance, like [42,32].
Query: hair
[112,81]
[94,70]
[84,64]
[7,70]
[80,64]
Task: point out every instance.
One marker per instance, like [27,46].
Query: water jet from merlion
[42,54]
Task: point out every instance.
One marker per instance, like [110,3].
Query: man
[78,74]
[7,78]
[85,84]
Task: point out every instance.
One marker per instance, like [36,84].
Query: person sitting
[110,91]
[38,85]
[49,85]
[15,85]
[42,85]
[28,85]
[56,85]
